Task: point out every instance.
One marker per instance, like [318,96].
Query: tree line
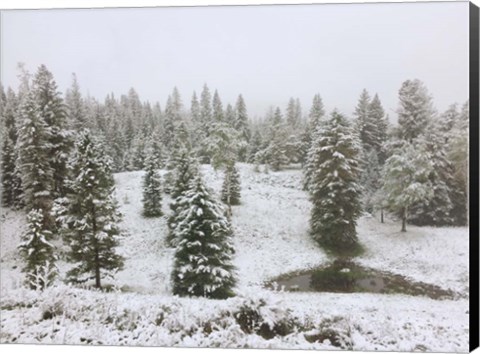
[59,154]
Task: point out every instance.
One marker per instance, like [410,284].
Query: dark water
[349,277]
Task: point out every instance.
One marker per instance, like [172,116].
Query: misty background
[267,53]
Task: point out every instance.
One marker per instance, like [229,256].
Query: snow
[270,238]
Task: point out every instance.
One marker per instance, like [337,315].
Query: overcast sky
[267,53]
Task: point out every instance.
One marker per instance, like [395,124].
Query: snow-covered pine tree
[206,120]
[370,180]
[291,113]
[34,160]
[90,221]
[230,115]
[405,177]
[379,122]
[231,186]
[255,146]
[458,155]
[185,170]
[11,182]
[52,109]
[217,108]
[363,122]
[75,106]
[152,188]
[334,185]
[203,257]
[137,153]
[275,153]
[435,211]
[169,124]
[38,252]
[415,109]
[317,112]
[242,127]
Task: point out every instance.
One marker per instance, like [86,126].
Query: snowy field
[271,238]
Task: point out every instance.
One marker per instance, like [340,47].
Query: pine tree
[152,188]
[364,122]
[437,210]
[379,126]
[52,110]
[334,185]
[230,115]
[11,182]
[217,108]
[185,170]
[415,109]
[38,252]
[242,127]
[203,257]
[90,221]
[317,112]
[370,180]
[254,147]
[75,106]
[405,177]
[275,153]
[458,156]
[169,124]
[195,109]
[34,160]
[231,186]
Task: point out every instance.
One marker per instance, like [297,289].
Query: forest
[66,160]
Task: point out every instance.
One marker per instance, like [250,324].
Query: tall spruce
[52,109]
[91,220]
[334,185]
[405,177]
[34,160]
[231,186]
[415,109]
[152,188]
[203,257]
[11,181]
[75,106]
[217,106]
[241,124]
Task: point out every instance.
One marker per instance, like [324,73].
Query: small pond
[343,276]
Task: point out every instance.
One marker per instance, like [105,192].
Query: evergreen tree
[437,210]
[38,252]
[334,185]
[275,153]
[230,115]
[364,124]
[315,116]
[379,126]
[34,160]
[217,108]
[52,109]
[11,182]
[457,154]
[185,170]
[242,127]
[195,109]
[405,177]
[231,186]
[152,188]
[371,180]
[254,147]
[75,106]
[90,221]
[415,109]
[203,257]
[169,124]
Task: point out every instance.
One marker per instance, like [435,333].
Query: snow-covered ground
[271,238]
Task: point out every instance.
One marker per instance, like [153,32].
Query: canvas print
[282,177]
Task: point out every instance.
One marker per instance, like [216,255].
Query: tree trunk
[381,216]
[404,219]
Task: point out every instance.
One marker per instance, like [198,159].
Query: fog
[267,53]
